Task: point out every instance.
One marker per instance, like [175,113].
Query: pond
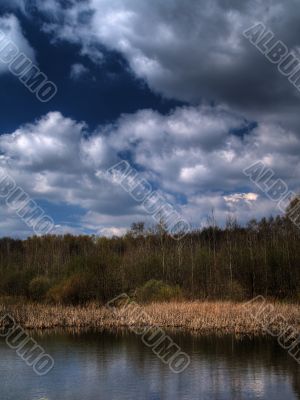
[118,366]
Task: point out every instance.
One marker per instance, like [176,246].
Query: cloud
[236,197]
[190,51]
[10,25]
[195,53]
[77,71]
[113,231]
[15,5]
[194,156]
[53,160]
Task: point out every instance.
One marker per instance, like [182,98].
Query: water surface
[118,366]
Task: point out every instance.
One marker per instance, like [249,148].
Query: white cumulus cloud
[191,155]
[10,26]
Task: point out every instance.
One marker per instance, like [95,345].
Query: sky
[171,86]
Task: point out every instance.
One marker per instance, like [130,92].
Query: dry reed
[200,317]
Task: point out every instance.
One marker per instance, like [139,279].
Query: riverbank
[200,317]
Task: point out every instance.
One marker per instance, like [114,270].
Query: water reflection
[117,366]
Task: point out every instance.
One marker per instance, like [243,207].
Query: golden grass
[197,316]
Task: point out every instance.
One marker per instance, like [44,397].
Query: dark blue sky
[107,91]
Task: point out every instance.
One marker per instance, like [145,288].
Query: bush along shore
[196,316]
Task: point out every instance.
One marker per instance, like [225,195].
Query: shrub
[154,290]
[73,290]
[39,287]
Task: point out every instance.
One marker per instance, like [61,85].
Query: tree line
[234,262]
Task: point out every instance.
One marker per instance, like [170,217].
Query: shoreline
[204,317]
